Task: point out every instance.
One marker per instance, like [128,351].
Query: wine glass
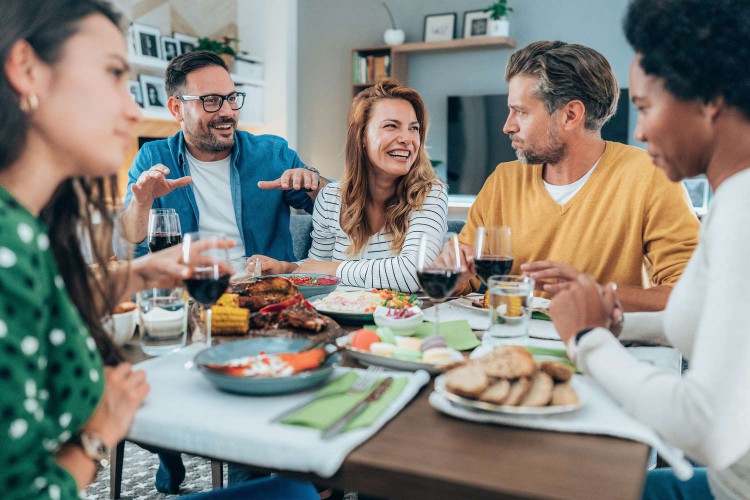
[207,254]
[492,252]
[164,229]
[439,276]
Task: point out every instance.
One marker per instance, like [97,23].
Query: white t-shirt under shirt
[563,194]
[213,195]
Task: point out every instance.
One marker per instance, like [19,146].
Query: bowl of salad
[403,321]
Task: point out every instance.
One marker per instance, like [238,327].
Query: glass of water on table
[510,309]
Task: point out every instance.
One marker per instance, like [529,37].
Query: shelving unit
[399,54]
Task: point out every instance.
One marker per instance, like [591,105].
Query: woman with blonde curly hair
[366,228]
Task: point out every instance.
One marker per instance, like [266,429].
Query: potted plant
[223,48]
[499,25]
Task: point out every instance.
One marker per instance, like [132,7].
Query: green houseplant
[221,47]
[498,11]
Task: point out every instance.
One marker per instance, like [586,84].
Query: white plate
[513,410]
[368,358]
[465,302]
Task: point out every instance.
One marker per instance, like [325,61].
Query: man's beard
[551,152]
[203,139]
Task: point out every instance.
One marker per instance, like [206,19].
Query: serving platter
[256,386]
[473,404]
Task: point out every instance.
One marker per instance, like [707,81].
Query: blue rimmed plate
[256,386]
[308,291]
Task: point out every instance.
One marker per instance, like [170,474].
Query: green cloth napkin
[559,355]
[457,334]
[540,315]
[320,414]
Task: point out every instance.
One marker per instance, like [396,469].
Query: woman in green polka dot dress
[66,124]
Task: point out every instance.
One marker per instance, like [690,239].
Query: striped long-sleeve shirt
[377,266]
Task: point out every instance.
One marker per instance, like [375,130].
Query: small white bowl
[121,327]
[404,327]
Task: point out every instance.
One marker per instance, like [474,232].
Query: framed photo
[187,43]
[152,89]
[476,23]
[439,27]
[170,48]
[134,87]
[146,40]
[698,191]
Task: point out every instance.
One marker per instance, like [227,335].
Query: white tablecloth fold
[600,414]
[185,412]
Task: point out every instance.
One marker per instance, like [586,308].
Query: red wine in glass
[160,241]
[206,287]
[490,265]
[438,283]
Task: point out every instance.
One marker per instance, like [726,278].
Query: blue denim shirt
[262,215]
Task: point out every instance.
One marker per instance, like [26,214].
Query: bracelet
[313,170]
[572,346]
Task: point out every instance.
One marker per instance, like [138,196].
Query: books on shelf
[371,68]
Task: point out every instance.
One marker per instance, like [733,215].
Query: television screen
[476,142]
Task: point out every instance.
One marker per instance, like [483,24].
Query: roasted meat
[264,321]
[302,316]
[265,292]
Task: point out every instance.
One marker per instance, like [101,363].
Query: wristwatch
[572,346]
[92,446]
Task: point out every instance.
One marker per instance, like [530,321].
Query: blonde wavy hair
[411,189]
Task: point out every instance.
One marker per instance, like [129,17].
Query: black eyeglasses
[213,102]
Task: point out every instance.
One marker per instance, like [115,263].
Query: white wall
[268,29]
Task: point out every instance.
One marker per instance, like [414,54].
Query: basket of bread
[509,380]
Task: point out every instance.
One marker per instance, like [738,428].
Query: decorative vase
[228,60]
[394,37]
[499,27]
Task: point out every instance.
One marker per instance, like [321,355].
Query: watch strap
[92,446]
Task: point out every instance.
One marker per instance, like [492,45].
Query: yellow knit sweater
[627,215]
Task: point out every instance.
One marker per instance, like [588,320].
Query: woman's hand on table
[273,266]
[124,392]
[584,304]
[318,267]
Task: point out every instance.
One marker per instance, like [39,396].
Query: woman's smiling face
[392,137]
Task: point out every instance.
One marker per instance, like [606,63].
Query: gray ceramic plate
[368,358]
[343,318]
[309,291]
[261,386]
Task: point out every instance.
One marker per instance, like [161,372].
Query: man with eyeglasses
[216,177]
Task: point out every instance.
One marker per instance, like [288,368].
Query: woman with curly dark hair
[690,83]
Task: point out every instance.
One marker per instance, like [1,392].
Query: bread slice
[496,393]
[509,362]
[518,391]
[564,394]
[540,392]
[468,380]
[558,371]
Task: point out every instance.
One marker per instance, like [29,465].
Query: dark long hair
[46,25]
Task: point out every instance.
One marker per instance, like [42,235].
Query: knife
[338,426]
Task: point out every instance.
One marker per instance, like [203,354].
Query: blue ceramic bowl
[261,386]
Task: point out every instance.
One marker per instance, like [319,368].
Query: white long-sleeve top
[377,266]
[706,412]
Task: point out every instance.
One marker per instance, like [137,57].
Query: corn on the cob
[229,319]
[229,300]
[514,307]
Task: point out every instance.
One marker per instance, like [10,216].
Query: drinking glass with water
[163,320]
[510,309]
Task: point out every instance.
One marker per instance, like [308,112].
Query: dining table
[423,453]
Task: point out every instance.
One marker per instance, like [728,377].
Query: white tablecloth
[600,414]
[185,412]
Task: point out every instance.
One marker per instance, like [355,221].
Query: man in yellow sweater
[574,202]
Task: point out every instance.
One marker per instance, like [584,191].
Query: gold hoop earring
[30,104]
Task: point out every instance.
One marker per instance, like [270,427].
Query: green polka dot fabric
[51,375]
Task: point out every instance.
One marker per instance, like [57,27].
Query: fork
[365,381]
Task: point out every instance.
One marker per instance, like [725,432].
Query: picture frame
[147,41]
[476,23]
[134,87]
[699,192]
[153,92]
[170,48]
[440,27]
[187,43]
